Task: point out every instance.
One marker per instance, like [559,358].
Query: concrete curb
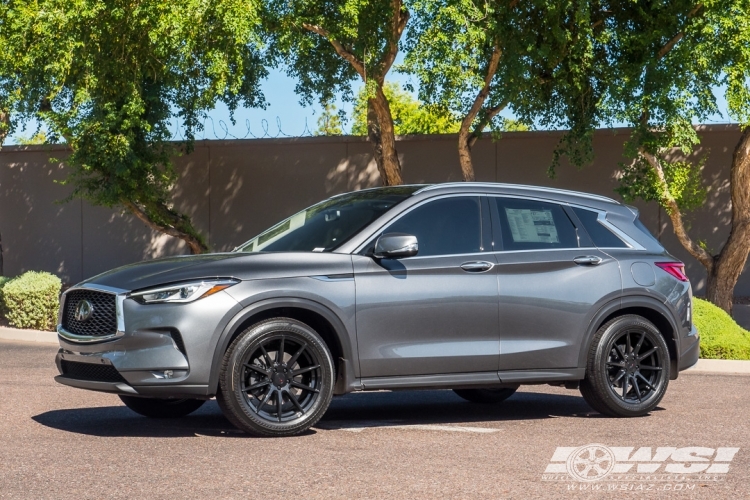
[28,335]
[703,366]
[720,366]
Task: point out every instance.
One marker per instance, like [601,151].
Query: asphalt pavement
[58,442]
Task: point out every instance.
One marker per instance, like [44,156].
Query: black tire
[297,377]
[162,408]
[486,396]
[627,369]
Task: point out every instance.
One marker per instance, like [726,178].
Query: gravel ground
[58,442]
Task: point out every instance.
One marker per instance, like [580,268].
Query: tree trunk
[731,261]
[165,220]
[382,134]
[466,138]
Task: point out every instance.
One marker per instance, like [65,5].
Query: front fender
[344,339]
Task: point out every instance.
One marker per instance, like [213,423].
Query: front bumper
[160,350]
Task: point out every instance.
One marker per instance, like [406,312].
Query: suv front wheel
[276,378]
[627,372]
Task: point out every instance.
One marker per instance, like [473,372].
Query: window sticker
[532,225]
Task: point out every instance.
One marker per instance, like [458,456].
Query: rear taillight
[676,269]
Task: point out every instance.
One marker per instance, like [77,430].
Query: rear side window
[600,235]
[533,225]
[645,231]
[448,226]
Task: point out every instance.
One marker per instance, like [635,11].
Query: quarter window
[533,225]
[448,226]
[600,235]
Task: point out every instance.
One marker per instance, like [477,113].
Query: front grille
[90,371]
[103,319]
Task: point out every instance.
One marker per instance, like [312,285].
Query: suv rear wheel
[162,408]
[276,378]
[627,372]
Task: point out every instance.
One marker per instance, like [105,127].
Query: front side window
[330,223]
[534,225]
[448,226]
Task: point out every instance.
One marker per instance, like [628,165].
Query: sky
[285,116]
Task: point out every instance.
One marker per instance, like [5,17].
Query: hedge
[721,337]
[3,281]
[32,300]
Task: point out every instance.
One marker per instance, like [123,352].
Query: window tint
[447,226]
[532,225]
[600,235]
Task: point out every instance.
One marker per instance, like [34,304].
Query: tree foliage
[664,61]
[330,121]
[537,58]
[111,77]
[409,115]
[328,44]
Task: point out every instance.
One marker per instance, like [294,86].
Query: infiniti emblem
[84,310]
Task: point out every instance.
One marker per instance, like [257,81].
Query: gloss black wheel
[628,368]
[277,378]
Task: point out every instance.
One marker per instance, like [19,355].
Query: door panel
[427,314]
[421,316]
[546,303]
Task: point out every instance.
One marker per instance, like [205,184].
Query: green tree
[664,62]
[329,121]
[409,115]
[111,76]
[327,44]
[479,58]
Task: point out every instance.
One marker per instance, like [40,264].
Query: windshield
[330,223]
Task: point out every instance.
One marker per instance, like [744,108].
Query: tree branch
[358,65]
[486,119]
[398,23]
[195,245]
[673,41]
[673,210]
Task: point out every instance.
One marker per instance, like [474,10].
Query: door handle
[588,260]
[478,266]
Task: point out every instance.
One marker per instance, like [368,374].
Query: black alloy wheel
[277,378]
[628,368]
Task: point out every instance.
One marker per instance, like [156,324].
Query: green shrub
[32,300]
[721,337]
[3,281]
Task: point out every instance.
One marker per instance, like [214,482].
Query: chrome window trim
[374,233]
[120,296]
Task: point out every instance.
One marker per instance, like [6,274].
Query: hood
[243,266]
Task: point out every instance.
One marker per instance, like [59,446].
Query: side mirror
[396,246]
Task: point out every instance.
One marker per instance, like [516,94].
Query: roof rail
[518,186]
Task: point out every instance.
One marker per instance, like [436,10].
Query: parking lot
[60,442]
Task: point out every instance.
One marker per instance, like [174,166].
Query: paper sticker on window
[532,226]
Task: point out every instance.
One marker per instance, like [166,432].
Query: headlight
[184,292]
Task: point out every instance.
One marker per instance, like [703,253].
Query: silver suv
[478,288]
